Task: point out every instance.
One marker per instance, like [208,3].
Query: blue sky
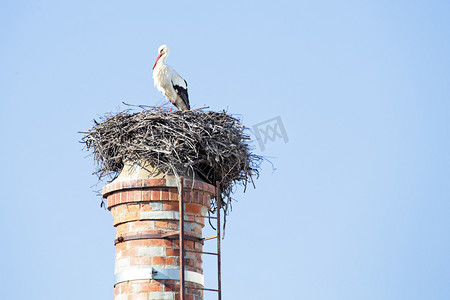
[358,205]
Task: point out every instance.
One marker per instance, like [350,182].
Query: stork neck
[161,61]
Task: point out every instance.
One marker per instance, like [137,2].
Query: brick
[162,295]
[130,196]
[128,252]
[122,228]
[128,288]
[150,287]
[159,215]
[188,196]
[189,262]
[146,182]
[158,182]
[146,195]
[115,186]
[163,260]
[193,208]
[195,292]
[195,200]
[110,198]
[151,251]
[119,219]
[170,260]
[156,194]
[159,260]
[188,297]
[203,198]
[187,183]
[173,225]
[172,182]
[140,260]
[174,206]
[169,287]
[198,264]
[164,194]
[131,183]
[141,226]
[188,226]
[146,207]
[172,252]
[156,206]
[189,244]
[161,242]
[198,246]
[196,185]
[126,184]
[137,195]
[138,243]
[117,198]
[133,207]
[139,296]
[161,224]
[123,197]
[121,297]
[120,209]
[131,216]
[195,196]
[173,194]
[123,262]
[197,230]
[135,182]
[105,190]
[121,246]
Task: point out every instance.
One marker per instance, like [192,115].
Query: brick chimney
[146,215]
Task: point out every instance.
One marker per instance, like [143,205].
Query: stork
[169,82]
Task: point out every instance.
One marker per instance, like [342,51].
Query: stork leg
[170,106]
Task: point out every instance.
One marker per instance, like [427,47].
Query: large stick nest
[210,145]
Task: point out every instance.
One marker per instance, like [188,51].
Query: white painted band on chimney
[160,215]
[153,273]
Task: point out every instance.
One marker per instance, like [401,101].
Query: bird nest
[210,145]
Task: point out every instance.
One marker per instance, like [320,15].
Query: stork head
[163,50]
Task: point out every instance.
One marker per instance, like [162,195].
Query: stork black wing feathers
[182,92]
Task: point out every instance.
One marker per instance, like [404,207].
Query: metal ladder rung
[196,251]
[176,234]
[203,289]
[210,237]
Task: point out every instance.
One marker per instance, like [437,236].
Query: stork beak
[159,56]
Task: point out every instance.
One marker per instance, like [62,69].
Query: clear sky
[358,207]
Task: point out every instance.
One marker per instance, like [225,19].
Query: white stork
[169,82]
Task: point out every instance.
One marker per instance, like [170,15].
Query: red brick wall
[150,206]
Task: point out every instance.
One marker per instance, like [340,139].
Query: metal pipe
[181,239]
[219,207]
